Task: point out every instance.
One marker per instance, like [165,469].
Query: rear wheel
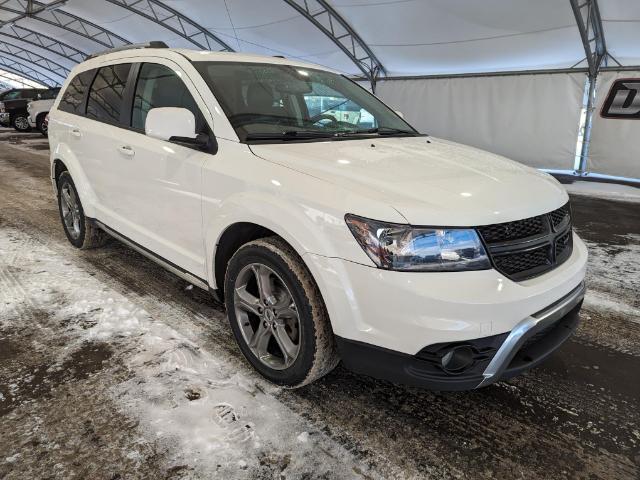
[21,123]
[41,125]
[277,314]
[80,231]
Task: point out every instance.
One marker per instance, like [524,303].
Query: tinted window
[107,90]
[12,95]
[49,94]
[72,100]
[159,86]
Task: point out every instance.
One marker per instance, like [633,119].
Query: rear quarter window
[73,99]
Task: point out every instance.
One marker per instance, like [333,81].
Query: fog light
[457,359]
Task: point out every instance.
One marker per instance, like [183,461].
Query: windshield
[268,102]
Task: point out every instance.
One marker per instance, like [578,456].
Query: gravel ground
[112,368]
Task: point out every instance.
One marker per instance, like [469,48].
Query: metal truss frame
[331,23]
[169,18]
[35,59]
[53,15]
[24,70]
[45,42]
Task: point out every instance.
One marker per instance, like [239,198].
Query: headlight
[406,248]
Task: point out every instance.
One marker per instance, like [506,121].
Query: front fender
[305,211]
[303,227]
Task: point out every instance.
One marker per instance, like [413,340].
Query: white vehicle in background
[38,109]
[329,236]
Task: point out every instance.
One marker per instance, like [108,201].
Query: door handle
[76,132]
[127,150]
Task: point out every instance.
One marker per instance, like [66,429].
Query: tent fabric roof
[409,37]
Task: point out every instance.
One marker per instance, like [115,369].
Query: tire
[21,123]
[42,128]
[80,231]
[316,348]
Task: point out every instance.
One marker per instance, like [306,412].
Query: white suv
[38,110]
[329,226]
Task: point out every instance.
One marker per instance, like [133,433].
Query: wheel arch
[63,159]
[231,239]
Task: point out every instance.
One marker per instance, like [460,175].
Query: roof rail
[130,46]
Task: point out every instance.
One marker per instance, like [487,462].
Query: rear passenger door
[69,129]
[158,200]
[98,135]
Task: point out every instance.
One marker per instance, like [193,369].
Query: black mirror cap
[203,141]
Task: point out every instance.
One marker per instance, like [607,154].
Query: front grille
[527,248]
[514,263]
[559,215]
[501,232]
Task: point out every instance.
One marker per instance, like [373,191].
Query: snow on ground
[612,191]
[205,414]
[613,276]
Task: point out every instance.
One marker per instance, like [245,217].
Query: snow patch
[198,406]
[611,191]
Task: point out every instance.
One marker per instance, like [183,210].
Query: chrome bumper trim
[521,331]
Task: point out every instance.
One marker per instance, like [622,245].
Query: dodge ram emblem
[623,100]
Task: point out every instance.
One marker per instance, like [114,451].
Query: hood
[428,180]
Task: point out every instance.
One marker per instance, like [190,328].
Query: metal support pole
[589,24]
[588,123]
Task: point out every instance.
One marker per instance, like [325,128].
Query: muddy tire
[41,126]
[277,314]
[80,231]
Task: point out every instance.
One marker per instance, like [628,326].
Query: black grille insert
[527,248]
[501,232]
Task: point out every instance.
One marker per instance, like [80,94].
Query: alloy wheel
[267,316]
[22,123]
[70,210]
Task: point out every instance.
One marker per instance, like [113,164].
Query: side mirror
[399,113]
[166,122]
[178,125]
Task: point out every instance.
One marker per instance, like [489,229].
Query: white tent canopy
[40,40]
[408,37]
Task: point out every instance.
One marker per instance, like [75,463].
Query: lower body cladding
[449,331]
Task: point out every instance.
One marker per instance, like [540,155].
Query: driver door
[160,203]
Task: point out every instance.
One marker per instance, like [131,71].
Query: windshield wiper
[290,135]
[390,131]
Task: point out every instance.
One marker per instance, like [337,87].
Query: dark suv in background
[13,106]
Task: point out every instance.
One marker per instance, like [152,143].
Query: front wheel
[21,123]
[277,314]
[81,232]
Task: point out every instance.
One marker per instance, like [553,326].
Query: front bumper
[408,316]
[494,358]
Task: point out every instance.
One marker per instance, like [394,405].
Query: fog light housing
[457,359]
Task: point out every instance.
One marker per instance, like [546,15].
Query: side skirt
[166,264]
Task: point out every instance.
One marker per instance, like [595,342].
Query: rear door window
[73,99]
[106,94]
[160,86]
